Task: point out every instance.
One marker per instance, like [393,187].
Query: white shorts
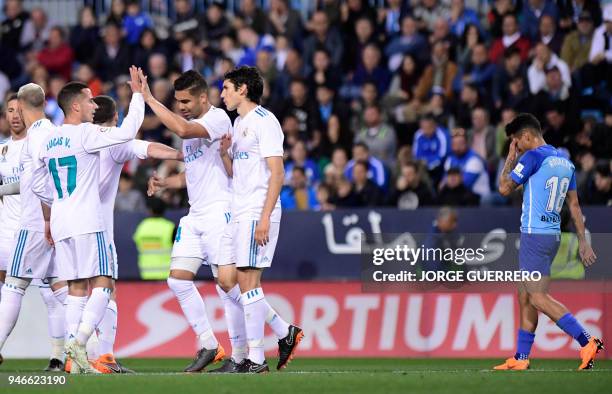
[200,237]
[85,256]
[6,245]
[238,245]
[31,256]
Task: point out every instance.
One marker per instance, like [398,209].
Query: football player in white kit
[111,164]
[9,217]
[197,239]
[249,241]
[31,257]
[69,160]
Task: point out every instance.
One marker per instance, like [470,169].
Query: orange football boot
[107,364]
[588,353]
[513,364]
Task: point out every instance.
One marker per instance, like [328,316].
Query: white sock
[55,319]
[255,312]
[93,313]
[234,316]
[276,323]
[10,305]
[194,310]
[61,294]
[107,330]
[74,311]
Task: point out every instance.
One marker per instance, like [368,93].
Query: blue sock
[524,342]
[570,325]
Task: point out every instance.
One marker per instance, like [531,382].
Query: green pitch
[322,376]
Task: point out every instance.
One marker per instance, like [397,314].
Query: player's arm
[157,184]
[506,183]
[9,189]
[275,184]
[174,122]
[159,151]
[226,143]
[587,256]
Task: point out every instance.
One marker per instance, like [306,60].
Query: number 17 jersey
[547,176]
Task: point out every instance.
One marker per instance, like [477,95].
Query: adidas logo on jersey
[29,271]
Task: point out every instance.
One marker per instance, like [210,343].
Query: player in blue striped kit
[548,180]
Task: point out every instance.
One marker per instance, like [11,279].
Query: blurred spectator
[367,193]
[601,136]
[473,167]
[338,135]
[353,10]
[545,60]
[482,136]
[479,71]
[84,37]
[461,17]
[299,158]
[408,191]
[299,194]
[577,44]
[440,73]
[129,199]
[36,30]
[496,16]
[558,130]
[454,192]
[334,171]
[376,170]
[324,197]
[367,96]
[216,24]
[512,69]
[410,42]
[601,47]
[52,109]
[303,108]
[158,67]
[322,36]
[430,145]
[404,81]
[147,46]
[441,32]
[554,93]
[86,75]
[284,20]
[186,22]
[57,56]
[329,106]
[371,69]
[427,12]
[390,17]
[344,196]
[117,13]
[363,36]
[293,69]
[549,35]
[533,11]
[511,38]
[570,10]
[112,56]
[253,16]
[323,72]
[378,136]
[13,25]
[463,51]
[135,22]
[190,56]
[469,99]
[599,191]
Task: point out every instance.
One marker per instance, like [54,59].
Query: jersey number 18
[556,195]
[71,163]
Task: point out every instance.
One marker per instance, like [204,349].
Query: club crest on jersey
[4,152]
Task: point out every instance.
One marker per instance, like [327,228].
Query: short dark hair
[68,94]
[362,145]
[10,97]
[521,122]
[249,76]
[363,163]
[299,169]
[107,108]
[157,206]
[192,81]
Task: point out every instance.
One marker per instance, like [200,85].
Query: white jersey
[111,164]
[207,180]
[71,155]
[31,212]
[10,169]
[256,136]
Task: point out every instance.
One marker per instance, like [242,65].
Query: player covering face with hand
[548,179]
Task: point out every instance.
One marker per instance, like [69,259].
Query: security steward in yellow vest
[154,237]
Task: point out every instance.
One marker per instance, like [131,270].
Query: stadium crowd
[402,105]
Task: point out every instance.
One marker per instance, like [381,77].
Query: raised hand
[134,81]
[146,92]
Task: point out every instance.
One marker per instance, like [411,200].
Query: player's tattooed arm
[587,256]
[174,122]
[157,184]
[506,184]
[277,175]
[226,143]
